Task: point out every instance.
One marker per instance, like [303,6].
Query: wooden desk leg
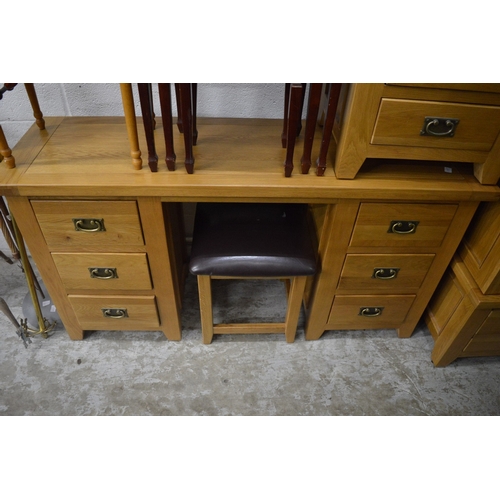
[333,100]
[311,122]
[295,98]
[187,123]
[5,151]
[333,245]
[166,116]
[156,219]
[131,123]
[146,100]
[37,113]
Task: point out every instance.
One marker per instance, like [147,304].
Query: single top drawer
[413,123]
[402,224]
[103,224]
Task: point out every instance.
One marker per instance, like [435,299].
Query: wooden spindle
[37,113]
[5,151]
[131,124]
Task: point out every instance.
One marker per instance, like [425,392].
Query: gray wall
[256,100]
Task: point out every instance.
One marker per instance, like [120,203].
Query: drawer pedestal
[381,262]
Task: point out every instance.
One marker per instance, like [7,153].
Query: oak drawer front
[358,312]
[486,342]
[402,224]
[403,123]
[88,223]
[384,273]
[115,312]
[103,271]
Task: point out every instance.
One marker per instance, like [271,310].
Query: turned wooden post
[131,123]
[37,112]
[311,123]
[5,151]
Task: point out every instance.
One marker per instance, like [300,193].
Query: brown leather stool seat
[252,240]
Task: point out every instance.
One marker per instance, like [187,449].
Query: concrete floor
[142,373]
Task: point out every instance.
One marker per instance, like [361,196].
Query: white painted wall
[256,100]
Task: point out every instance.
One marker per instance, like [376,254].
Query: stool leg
[294,304]
[146,101]
[296,92]
[131,123]
[194,97]
[207,321]
[179,114]
[166,116]
[187,124]
[333,100]
[311,123]
[5,151]
[37,113]
[285,115]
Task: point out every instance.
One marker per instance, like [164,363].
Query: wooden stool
[252,241]
[5,151]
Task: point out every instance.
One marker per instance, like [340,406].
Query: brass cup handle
[449,123]
[103,273]
[96,225]
[412,228]
[380,274]
[370,312]
[114,313]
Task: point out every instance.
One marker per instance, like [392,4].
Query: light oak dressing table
[109,241]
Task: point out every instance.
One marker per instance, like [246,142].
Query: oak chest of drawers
[464,314]
[435,122]
[463,321]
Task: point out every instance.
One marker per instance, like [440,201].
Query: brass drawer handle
[89,225]
[439,127]
[403,226]
[103,273]
[385,273]
[114,313]
[370,312]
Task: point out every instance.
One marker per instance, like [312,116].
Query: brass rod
[29,278]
